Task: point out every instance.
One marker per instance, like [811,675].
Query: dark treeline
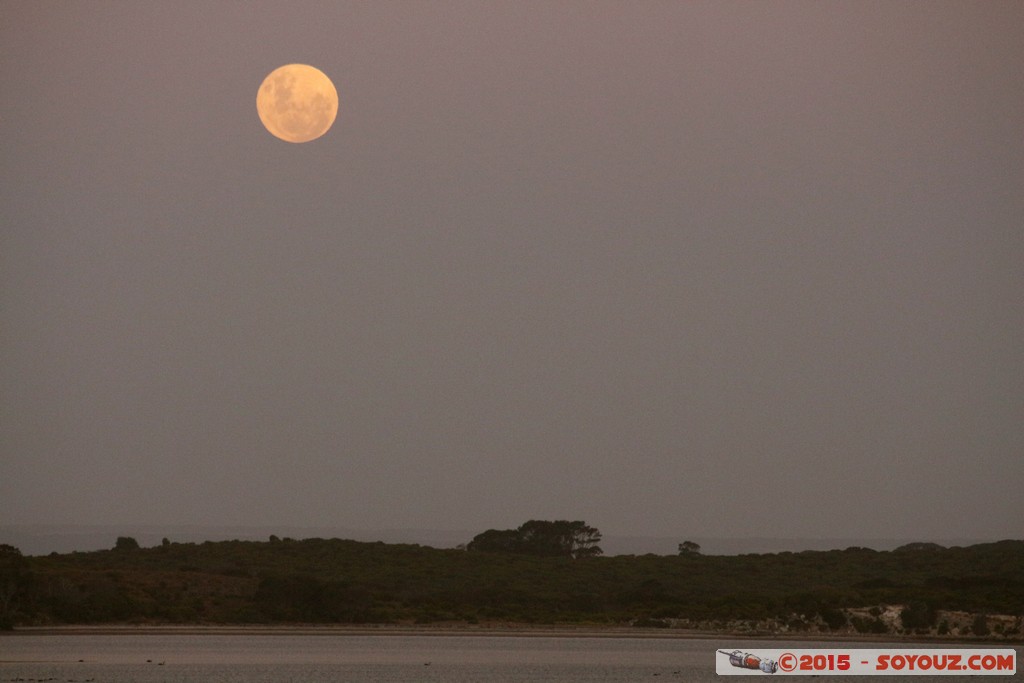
[340,581]
[560,538]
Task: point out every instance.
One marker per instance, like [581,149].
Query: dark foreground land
[918,591]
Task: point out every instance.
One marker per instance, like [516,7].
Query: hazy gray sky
[703,269]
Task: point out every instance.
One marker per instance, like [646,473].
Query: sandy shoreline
[493,630]
[510,630]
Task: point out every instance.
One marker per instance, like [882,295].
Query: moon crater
[297,103]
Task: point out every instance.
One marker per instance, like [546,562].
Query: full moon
[297,103]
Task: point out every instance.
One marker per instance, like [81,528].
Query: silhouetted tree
[584,540]
[126,543]
[689,548]
[497,541]
[560,538]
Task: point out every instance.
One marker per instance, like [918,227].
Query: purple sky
[673,268]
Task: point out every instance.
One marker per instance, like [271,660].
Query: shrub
[917,615]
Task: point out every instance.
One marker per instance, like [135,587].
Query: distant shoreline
[40,539]
[491,630]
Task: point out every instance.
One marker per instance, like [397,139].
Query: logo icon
[745,660]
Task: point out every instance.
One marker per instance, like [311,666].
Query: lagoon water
[306,658]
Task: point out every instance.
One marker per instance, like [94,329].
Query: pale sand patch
[488,630]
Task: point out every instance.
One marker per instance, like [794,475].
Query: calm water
[385,658]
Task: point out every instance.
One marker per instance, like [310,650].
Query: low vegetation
[951,592]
